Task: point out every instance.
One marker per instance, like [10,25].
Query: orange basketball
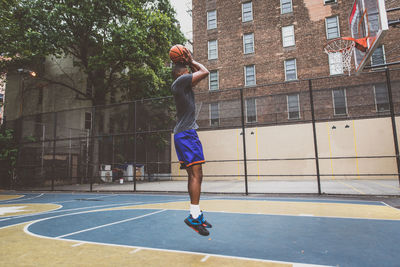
[176,53]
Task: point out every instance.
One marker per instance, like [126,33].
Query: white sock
[195,211]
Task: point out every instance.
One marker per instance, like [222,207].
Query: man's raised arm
[199,72]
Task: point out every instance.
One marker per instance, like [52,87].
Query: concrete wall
[368,137]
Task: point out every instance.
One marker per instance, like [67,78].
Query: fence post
[393,118]
[134,148]
[53,165]
[315,136]
[244,141]
[91,147]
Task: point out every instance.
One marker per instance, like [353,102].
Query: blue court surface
[50,229]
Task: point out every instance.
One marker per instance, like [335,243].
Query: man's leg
[195,178]
[196,220]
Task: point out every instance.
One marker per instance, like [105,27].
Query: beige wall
[368,137]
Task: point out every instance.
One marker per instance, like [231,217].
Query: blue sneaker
[203,221]
[196,225]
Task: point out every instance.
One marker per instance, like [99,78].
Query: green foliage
[118,44]
[8,149]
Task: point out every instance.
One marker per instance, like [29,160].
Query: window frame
[383,55]
[86,120]
[243,17]
[337,25]
[245,75]
[252,42]
[255,110]
[209,81]
[291,7]
[295,68]
[345,102]
[208,19]
[283,37]
[298,106]
[375,98]
[210,113]
[216,49]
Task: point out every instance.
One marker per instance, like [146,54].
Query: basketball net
[344,48]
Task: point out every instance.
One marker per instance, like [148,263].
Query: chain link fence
[334,135]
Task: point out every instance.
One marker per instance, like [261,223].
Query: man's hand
[187,56]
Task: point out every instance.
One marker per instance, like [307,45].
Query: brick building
[248,44]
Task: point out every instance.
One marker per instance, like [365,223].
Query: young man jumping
[187,144]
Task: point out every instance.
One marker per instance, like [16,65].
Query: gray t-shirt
[185,105]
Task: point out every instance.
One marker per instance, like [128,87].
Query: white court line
[23,199]
[122,204]
[58,210]
[108,224]
[205,258]
[135,251]
[78,244]
[173,250]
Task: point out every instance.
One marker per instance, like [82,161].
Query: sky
[181,7]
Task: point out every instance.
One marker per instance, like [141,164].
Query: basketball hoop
[341,50]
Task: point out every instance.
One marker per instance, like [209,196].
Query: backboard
[367,20]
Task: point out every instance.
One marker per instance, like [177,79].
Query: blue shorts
[188,148]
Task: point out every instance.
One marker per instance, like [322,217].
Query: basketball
[176,53]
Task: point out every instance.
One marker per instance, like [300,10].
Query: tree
[8,155]
[120,45]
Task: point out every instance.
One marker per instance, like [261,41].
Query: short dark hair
[177,68]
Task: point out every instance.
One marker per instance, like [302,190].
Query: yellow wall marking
[330,148]
[258,162]
[238,155]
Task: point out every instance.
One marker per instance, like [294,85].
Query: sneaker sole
[197,231]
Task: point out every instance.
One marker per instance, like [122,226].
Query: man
[187,144]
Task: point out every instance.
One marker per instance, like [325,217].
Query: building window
[214,114]
[251,110]
[290,70]
[212,49]
[247,11]
[332,27]
[381,97]
[213,80]
[293,104]
[212,19]
[378,56]
[326,2]
[248,43]
[288,36]
[339,102]
[335,63]
[88,120]
[250,75]
[286,6]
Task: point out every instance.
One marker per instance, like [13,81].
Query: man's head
[179,69]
